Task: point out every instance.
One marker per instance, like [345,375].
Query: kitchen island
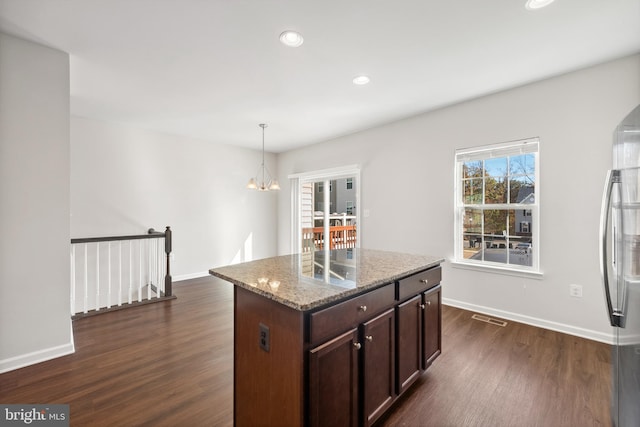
[331,337]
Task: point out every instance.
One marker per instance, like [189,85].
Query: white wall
[407,185]
[125,180]
[35,323]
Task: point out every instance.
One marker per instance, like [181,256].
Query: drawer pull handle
[425,281]
[357,345]
[368,338]
[362,308]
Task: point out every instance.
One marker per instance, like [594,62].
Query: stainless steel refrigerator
[620,267]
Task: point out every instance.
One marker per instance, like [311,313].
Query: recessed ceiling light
[361,80]
[291,38]
[537,4]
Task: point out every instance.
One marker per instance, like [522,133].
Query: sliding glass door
[327,210]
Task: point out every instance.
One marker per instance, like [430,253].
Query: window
[349,183]
[349,206]
[496,211]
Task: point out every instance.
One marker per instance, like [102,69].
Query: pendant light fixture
[263,180]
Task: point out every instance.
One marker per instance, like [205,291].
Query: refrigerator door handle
[613,177]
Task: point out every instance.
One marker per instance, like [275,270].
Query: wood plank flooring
[171,364]
[509,376]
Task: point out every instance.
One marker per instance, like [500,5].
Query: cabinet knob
[425,281]
[422,306]
[428,302]
[357,345]
[362,308]
[368,338]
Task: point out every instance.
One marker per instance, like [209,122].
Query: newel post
[167,250]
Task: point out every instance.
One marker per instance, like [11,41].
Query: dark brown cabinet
[333,382]
[395,335]
[369,353]
[410,365]
[419,335]
[378,365]
[365,355]
[431,328]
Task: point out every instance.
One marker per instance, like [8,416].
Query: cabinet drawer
[419,282]
[343,316]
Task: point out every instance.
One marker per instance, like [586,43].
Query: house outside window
[349,183]
[496,206]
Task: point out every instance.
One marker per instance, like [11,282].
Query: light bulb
[537,4]
[291,38]
[361,80]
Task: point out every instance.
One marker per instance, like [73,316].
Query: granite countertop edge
[320,302]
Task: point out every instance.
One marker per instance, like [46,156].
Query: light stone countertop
[305,281]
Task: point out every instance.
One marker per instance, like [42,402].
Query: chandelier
[263,180]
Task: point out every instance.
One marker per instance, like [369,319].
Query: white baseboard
[182,277]
[533,321]
[23,360]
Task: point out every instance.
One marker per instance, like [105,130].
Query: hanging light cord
[263,125]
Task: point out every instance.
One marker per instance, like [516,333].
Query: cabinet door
[432,333]
[333,382]
[409,329]
[378,365]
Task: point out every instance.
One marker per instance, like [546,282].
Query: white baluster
[149,281]
[159,278]
[120,273]
[153,245]
[130,270]
[72,304]
[86,278]
[139,270]
[97,276]
[109,274]
[163,265]
[154,258]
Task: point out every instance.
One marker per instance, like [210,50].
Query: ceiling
[215,69]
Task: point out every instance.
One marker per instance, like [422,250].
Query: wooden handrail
[151,234]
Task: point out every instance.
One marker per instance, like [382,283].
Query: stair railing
[110,273]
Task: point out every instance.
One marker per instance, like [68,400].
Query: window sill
[498,270]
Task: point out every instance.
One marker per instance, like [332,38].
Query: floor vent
[489,320]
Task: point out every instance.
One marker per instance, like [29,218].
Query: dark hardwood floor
[516,375]
[171,364]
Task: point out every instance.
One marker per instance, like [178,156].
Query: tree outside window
[496,205]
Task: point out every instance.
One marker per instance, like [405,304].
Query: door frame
[322,175]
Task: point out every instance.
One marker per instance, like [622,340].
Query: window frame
[486,152]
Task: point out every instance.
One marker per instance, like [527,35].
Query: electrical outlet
[264,337]
[575,291]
